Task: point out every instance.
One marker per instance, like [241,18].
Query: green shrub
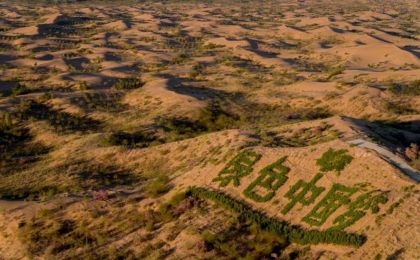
[271,178]
[338,196]
[158,186]
[358,208]
[128,84]
[299,191]
[238,167]
[334,160]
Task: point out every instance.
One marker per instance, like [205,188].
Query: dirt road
[390,157]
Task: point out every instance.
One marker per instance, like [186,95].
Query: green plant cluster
[358,209]
[337,196]
[217,117]
[271,178]
[334,160]
[65,237]
[128,83]
[298,193]
[282,228]
[237,168]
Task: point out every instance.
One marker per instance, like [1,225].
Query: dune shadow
[46,57]
[110,56]
[184,87]
[100,81]
[77,63]
[378,38]
[254,47]
[6,87]
[6,58]
[415,50]
[396,255]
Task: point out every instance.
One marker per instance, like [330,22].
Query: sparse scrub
[61,121]
[104,102]
[17,150]
[158,185]
[410,89]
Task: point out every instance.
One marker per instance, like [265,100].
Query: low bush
[158,185]
[338,196]
[358,208]
[334,160]
[128,84]
[241,165]
[271,178]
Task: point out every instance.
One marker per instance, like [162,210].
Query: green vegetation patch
[338,196]
[71,176]
[334,160]
[359,207]
[270,179]
[237,168]
[282,228]
[128,84]
[298,193]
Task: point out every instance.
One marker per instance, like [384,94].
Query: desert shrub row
[282,228]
